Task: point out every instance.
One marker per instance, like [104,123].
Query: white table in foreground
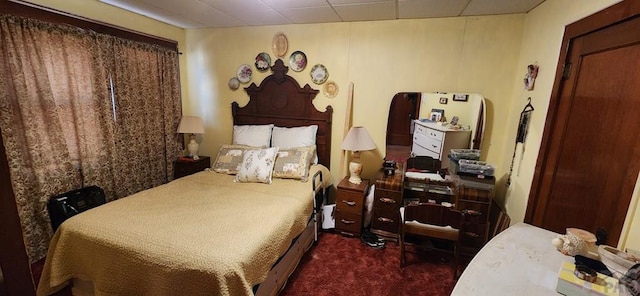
[519,261]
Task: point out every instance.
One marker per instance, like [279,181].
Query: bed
[203,234]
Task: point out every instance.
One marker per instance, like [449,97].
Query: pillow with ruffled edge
[293,137]
[257,166]
[229,158]
[294,163]
[252,135]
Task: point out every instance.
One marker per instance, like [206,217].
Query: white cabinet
[431,139]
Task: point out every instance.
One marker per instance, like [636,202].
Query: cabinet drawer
[349,202]
[476,194]
[429,143]
[385,199]
[385,220]
[481,207]
[348,222]
[474,235]
[418,150]
[431,133]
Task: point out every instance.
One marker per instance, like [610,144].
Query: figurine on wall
[530,77]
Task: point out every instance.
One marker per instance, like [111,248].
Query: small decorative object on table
[576,242]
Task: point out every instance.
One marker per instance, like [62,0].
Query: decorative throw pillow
[257,166]
[294,163]
[292,137]
[252,135]
[229,157]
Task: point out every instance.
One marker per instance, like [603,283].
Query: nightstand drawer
[350,202]
[348,222]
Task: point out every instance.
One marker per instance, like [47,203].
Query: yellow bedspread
[199,235]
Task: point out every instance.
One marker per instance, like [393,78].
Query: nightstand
[349,206]
[187,167]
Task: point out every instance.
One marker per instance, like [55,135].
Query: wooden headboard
[280,100]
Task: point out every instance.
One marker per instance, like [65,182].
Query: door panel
[590,157]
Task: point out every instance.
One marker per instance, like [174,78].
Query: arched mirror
[432,110]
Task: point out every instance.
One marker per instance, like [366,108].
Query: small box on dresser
[349,206]
[387,202]
[183,168]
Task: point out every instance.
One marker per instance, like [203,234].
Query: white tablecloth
[519,261]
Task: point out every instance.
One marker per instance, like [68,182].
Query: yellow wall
[93,9]
[541,41]
[464,54]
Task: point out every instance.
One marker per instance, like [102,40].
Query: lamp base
[192,147]
[355,168]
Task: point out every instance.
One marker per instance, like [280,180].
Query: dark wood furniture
[187,167]
[387,201]
[431,221]
[474,198]
[281,101]
[349,206]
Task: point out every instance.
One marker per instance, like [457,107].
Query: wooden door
[590,154]
[404,108]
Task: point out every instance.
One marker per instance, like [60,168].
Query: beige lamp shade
[357,139]
[191,125]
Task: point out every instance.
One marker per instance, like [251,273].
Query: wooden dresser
[474,198]
[387,201]
[350,206]
[430,139]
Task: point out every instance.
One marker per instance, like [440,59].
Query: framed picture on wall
[460,97]
[444,100]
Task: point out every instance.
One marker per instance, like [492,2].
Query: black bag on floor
[62,207]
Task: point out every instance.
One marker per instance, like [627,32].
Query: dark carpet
[345,266]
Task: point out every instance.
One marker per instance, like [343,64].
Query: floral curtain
[74,113]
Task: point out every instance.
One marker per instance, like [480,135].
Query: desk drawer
[387,220]
[348,222]
[388,200]
[481,207]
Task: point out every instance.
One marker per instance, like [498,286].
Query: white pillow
[252,135]
[257,166]
[294,137]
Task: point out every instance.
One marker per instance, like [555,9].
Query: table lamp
[191,125]
[357,140]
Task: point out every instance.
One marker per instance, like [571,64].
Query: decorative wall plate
[319,74]
[234,83]
[330,89]
[280,44]
[263,61]
[298,61]
[244,73]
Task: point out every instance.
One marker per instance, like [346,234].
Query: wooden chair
[421,221]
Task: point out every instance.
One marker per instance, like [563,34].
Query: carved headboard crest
[281,101]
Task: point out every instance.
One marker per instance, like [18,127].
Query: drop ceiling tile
[208,15]
[366,12]
[236,7]
[488,7]
[430,8]
[290,4]
[344,2]
[322,14]
[263,18]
